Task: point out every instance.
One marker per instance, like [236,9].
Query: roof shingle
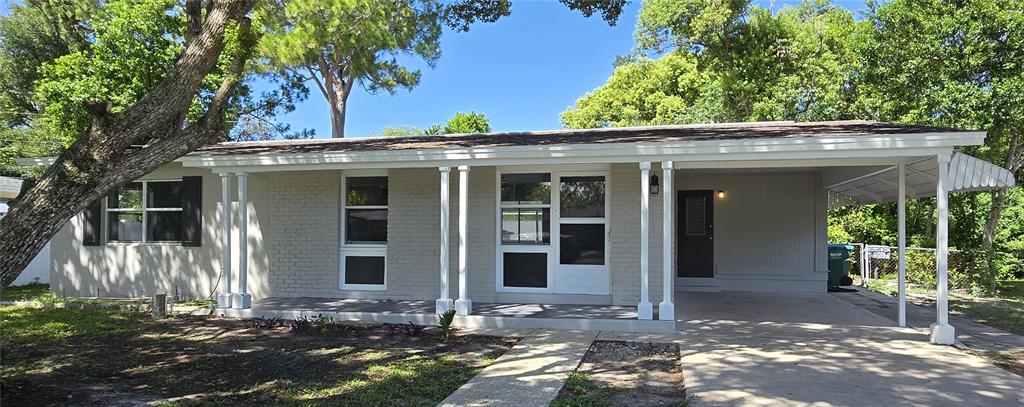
[652,134]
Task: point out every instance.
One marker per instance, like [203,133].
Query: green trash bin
[838,263]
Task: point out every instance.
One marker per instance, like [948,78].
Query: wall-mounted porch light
[721,194]
[655,185]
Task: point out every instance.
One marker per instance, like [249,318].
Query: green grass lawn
[62,356]
[25,292]
[1004,311]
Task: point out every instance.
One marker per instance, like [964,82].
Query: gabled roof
[644,134]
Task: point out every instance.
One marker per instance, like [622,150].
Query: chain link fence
[874,262]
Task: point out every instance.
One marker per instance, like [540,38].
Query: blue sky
[521,72]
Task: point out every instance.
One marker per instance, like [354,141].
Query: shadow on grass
[77,357]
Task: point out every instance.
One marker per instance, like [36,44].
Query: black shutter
[191,211]
[92,227]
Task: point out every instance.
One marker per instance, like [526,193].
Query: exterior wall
[768,229]
[294,238]
[135,270]
[300,218]
[624,226]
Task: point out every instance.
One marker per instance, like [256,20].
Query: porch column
[941,332]
[666,309]
[444,302]
[224,298]
[644,310]
[463,305]
[901,209]
[242,299]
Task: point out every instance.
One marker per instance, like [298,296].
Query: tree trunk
[1011,162]
[107,155]
[339,105]
[338,119]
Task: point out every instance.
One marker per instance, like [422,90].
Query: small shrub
[263,323]
[300,324]
[444,321]
[323,323]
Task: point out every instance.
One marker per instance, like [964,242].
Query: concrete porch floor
[485,315]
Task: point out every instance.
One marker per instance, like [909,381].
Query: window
[364,248]
[553,231]
[366,210]
[526,208]
[148,211]
[581,221]
[364,270]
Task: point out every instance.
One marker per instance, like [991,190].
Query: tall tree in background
[956,64]
[339,43]
[461,123]
[724,61]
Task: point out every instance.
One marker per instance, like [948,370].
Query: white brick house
[358,226]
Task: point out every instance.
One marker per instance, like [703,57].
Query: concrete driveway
[760,349]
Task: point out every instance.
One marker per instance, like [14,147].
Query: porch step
[468,321]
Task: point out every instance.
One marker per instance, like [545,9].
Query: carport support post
[644,310]
[666,309]
[444,302]
[941,332]
[224,298]
[463,305]
[901,209]
[242,299]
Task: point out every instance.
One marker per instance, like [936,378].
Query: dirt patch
[203,361]
[616,373]
[1012,361]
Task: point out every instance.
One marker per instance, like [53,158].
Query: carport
[757,349]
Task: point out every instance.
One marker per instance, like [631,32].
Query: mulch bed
[203,361]
[616,373]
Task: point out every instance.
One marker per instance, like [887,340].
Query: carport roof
[966,173]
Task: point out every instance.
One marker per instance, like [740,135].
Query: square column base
[645,310]
[463,306]
[241,300]
[441,305]
[224,300]
[666,311]
[942,334]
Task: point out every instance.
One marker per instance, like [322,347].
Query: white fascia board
[705,150]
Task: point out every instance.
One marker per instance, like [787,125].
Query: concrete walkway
[530,374]
[970,333]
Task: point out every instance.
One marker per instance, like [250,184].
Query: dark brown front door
[695,232]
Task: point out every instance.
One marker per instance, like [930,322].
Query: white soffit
[966,174]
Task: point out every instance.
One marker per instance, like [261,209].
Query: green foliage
[471,122]
[445,321]
[728,61]
[461,123]
[135,45]
[933,62]
[367,35]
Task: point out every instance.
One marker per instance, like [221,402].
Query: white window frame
[360,249]
[105,219]
[553,248]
